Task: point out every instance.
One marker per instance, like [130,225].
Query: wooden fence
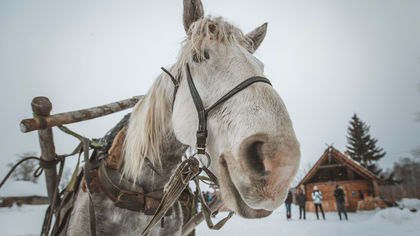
[395,193]
[43,121]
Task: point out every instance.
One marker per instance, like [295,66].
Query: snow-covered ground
[27,220]
[391,221]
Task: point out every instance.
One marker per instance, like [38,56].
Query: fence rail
[41,106]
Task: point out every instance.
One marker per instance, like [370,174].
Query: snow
[390,221]
[13,188]
[409,203]
[27,220]
[394,215]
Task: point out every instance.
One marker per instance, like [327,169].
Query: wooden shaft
[41,106]
[197,219]
[42,120]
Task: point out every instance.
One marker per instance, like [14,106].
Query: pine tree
[362,147]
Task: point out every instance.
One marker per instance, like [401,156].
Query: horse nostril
[254,157]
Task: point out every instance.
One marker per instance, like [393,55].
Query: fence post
[41,106]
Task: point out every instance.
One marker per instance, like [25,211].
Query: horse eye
[206,54]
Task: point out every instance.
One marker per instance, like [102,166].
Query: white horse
[251,141]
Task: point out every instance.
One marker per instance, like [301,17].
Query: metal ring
[196,155]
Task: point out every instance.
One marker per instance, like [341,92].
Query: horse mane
[148,125]
[150,119]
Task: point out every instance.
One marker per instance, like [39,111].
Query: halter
[202,112]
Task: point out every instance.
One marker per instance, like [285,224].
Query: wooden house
[335,168]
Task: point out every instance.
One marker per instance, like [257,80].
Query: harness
[159,203]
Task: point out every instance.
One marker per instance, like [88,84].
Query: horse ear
[257,36]
[193,10]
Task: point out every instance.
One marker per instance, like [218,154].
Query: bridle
[202,112]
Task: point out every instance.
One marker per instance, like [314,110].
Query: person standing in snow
[301,199]
[288,204]
[317,197]
[339,199]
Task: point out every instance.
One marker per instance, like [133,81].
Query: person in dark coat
[301,199]
[317,197]
[288,204]
[339,199]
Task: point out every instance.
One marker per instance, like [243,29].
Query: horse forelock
[211,29]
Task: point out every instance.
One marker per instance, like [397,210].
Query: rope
[43,124]
[92,143]
[15,166]
[43,164]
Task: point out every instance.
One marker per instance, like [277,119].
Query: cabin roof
[348,161]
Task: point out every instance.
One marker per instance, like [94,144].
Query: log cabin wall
[352,190]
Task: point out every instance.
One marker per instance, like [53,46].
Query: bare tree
[408,170]
[418,113]
[25,170]
[416,152]
[301,173]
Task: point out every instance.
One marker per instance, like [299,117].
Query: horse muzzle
[265,171]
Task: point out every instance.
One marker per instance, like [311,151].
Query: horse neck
[150,134]
[171,154]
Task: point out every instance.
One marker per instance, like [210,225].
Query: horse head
[251,141]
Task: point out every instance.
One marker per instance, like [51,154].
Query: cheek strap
[203,113]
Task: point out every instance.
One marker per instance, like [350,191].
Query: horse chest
[112,220]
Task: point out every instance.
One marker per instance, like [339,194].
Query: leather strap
[203,113]
[131,200]
[176,85]
[88,167]
[187,170]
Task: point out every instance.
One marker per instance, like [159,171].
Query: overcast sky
[326,59]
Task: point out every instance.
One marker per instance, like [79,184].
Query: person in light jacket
[317,197]
[301,199]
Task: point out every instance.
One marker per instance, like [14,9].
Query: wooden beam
[41,106]
[42,120]
[350,173]
[331,166]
